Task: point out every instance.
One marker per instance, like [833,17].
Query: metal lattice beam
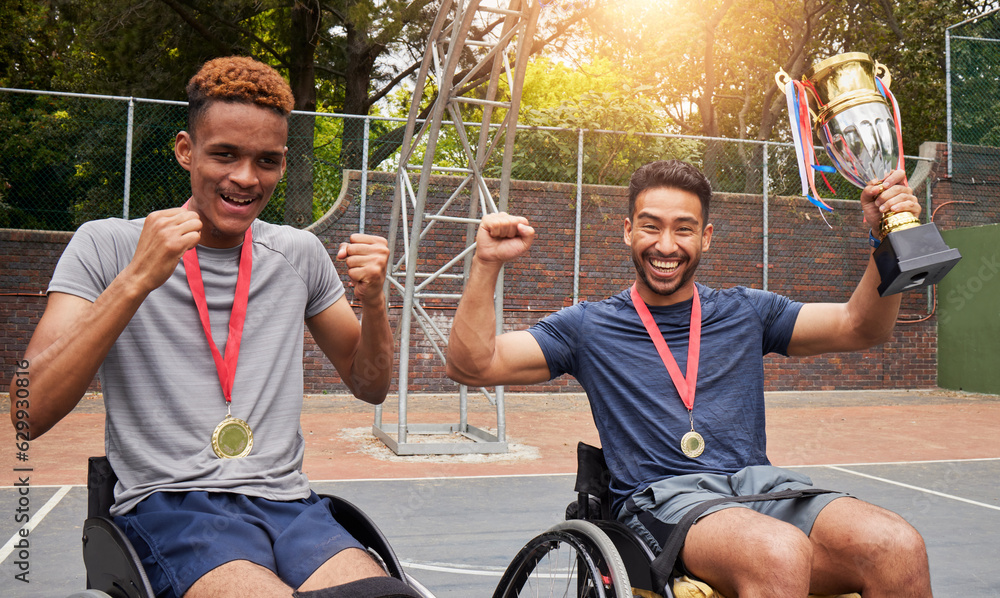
[490,43]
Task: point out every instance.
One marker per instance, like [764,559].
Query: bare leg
[238,579]
[346,566]
[742,553]
[860,547]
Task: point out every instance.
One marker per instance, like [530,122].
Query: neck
[649,297]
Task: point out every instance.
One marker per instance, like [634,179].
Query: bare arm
[361,352]
[74,335]
[476,354]
[866,319]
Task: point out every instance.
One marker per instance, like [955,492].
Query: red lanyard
[685,386]
[226,367]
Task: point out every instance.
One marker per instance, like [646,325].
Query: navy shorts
[670,499]
[181,536]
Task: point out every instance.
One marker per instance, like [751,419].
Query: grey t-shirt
[161,390]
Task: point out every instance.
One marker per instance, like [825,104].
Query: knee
[789,555]
[895,535]
[893,549]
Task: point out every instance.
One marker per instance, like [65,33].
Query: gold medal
[692,444]
[232,438]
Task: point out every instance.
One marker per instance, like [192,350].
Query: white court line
[34,521]
[865,463]
[446,568]
[572,473]
[918,488]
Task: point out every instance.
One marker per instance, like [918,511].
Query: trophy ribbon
[692,443]
[232,438]
[802,136]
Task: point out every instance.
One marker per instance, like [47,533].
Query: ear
[183,147]
[284,161]
[706,237]
[627,235]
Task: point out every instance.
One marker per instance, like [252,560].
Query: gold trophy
[847,101]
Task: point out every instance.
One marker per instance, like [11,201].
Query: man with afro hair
[193,319]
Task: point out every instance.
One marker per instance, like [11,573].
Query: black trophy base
[913,258]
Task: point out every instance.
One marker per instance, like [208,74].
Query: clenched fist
[366,258]
[165,236]
[503,237]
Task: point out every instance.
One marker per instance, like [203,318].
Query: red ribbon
[227,366]
[685,386]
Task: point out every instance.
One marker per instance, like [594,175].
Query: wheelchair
[114,569]
[592,555]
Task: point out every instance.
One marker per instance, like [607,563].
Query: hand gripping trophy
[846,100]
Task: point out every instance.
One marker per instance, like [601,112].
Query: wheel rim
[557,564]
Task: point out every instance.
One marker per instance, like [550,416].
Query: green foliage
[594,97]
[975,69]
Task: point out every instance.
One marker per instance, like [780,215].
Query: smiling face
[236,156]
[667,237]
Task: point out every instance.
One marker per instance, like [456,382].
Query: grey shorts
[668,500]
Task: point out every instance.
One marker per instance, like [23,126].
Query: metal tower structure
[459,76]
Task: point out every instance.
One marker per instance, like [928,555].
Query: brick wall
[808,261]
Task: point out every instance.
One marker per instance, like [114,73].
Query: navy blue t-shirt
[639,415]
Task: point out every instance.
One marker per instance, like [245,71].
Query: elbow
[374,399]
[372,396]
[458,375]
[459,370]
[868,339]
[880,335]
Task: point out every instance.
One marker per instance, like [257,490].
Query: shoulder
[590,312]
[109,236]
[111,228]
[294,244]
[740,296]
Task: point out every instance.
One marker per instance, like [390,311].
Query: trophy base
[913,258]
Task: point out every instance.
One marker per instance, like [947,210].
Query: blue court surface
[457,535]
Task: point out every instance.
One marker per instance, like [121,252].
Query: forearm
[67,349]
[472,343]
[873,317]
[864,321]
[371,372]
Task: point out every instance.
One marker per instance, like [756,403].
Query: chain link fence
[69,158]
[972,50]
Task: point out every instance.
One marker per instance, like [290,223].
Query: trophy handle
[782,79]
[882,72]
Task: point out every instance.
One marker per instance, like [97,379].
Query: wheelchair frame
[602,539]
[114,569]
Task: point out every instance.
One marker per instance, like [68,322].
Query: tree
[337,47]
[712,63]
[596,97]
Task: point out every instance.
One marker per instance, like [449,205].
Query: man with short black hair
[674,374]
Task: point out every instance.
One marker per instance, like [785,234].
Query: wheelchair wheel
[573,559]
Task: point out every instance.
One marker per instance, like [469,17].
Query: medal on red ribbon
[692,443]
[232,438]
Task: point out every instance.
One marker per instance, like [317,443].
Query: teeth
[237,200]
[663,265]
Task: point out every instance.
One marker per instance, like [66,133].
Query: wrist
[374,303]
[873,240]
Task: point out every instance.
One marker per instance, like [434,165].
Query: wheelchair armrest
[364,530]
[112,563]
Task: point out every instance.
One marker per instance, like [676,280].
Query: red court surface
[818,428]
[455,522]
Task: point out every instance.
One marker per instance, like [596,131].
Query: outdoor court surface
[455,522]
